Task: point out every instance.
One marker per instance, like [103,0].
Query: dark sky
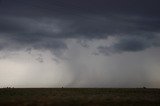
[74,31]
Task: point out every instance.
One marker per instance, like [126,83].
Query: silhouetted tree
[144,87]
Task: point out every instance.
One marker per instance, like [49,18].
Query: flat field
[79,97]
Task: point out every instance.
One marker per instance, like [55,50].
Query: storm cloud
[74,30]
[130,44]
[38,20]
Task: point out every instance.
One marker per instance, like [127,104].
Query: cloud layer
[91,36]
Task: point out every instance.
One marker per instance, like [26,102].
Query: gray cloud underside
[46,25]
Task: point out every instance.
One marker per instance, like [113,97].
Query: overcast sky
[80,43]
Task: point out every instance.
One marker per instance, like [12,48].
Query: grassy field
[79,97]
